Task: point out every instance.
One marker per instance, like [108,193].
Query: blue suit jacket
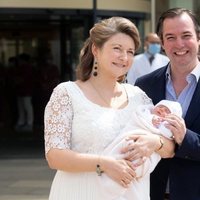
[184,168]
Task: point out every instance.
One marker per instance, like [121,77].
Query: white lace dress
[74,122]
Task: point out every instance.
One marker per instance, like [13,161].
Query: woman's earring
[95,69]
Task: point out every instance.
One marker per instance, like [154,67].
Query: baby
[147,119]
[153,115]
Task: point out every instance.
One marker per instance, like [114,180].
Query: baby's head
[166,107]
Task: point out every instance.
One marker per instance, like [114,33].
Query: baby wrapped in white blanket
[146,121]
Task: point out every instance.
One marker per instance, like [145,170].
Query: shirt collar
[195,72]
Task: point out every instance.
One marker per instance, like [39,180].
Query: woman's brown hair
[99,34]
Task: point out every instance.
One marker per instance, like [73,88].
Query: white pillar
[153,15]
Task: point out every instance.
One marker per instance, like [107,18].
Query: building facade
[56,29]
[59,27]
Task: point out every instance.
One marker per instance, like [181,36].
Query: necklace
[108,103]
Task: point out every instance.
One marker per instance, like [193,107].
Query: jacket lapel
[159,85]
[192,111]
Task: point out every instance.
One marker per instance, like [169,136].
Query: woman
[83,117]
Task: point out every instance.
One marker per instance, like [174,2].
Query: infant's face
[161,110]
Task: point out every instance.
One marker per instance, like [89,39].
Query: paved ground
[24,174]
[24,179]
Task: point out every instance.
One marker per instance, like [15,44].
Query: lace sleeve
[145,99]
[139,95]
[58,120]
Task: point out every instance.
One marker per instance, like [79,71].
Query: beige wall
[125,5]
[81,4]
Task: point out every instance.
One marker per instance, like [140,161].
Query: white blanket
[138,124]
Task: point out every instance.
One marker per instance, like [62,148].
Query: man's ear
[162,45]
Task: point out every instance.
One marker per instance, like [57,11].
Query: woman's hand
[142,147]
[121,171]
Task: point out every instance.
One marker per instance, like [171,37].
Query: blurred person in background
[23,78]
[148,61]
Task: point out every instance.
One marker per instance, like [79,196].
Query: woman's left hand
[142,147]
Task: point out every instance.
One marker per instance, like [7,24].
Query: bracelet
[161,144]
[98,170]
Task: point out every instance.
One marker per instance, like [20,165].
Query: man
[178,81]
[148,61]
